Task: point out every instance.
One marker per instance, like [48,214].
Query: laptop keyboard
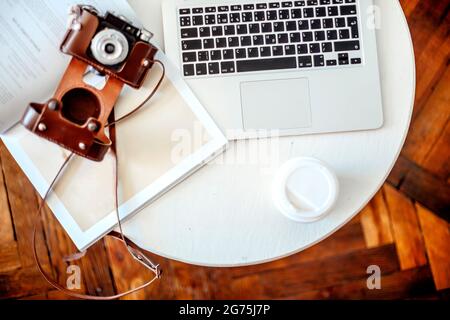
[277,35]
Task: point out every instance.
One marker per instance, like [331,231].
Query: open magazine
[168,140]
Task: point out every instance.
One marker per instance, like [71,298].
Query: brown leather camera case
[76,116]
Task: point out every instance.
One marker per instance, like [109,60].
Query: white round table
[223,215]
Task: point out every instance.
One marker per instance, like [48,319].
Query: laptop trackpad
[276,104]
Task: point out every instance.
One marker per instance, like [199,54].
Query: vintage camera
[76,116]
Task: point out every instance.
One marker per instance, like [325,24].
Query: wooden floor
[404,229]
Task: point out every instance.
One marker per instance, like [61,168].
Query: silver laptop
[291,67]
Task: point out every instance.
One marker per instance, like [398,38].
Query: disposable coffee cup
[305,189]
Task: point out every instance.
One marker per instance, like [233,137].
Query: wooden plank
[375,222]
[429,24]
[6,226]
[409,284]
[60,246]
[430,191]
[348,239]
[429,124]
[437,160]
[409,6]
[95,271]
[400,170]
[22,282]
[437,241]
[9,257]
[318,274]
[406,230]
[23,204]
[179,280]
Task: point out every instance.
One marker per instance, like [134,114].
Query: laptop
[290,67]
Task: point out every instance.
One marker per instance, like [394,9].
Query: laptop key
[185,21]
[216,55]
[308,12]
[291,25]
[252,52]
[270,39]
[302,49]
[344,34]
[241,29]
[316,24]
[266,27]
[189,70]
[304,62]
[210,19]
[228,54]
[201,69]
[254,28]
[191,44]
[314,48]
[319,60]
[205,31]
[258,40]
[283,38]
[343,58]
[295,37]
[277,51]
[208,43]
[260,16]
[203,56]
[189,33]
[247,17]
[332,35]
[332,62]
[327,47]
[227,67]
[217,31]
[265,52]
[348,10]
[307,36]
[240,53]
[266,64]
[303,25]
[356,61]
[189,57]
[346,46]
[289,49]
[233,42]
[246,41]
[339,22]
[221,42]
[333,11]
[197,20]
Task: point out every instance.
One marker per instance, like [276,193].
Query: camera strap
[132,248]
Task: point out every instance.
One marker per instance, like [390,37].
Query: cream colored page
[147,142]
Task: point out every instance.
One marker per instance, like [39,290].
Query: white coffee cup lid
[305,189]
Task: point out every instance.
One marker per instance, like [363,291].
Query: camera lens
[109,47]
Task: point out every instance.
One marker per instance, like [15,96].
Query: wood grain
[407,233]
[437,240]
[375,222]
